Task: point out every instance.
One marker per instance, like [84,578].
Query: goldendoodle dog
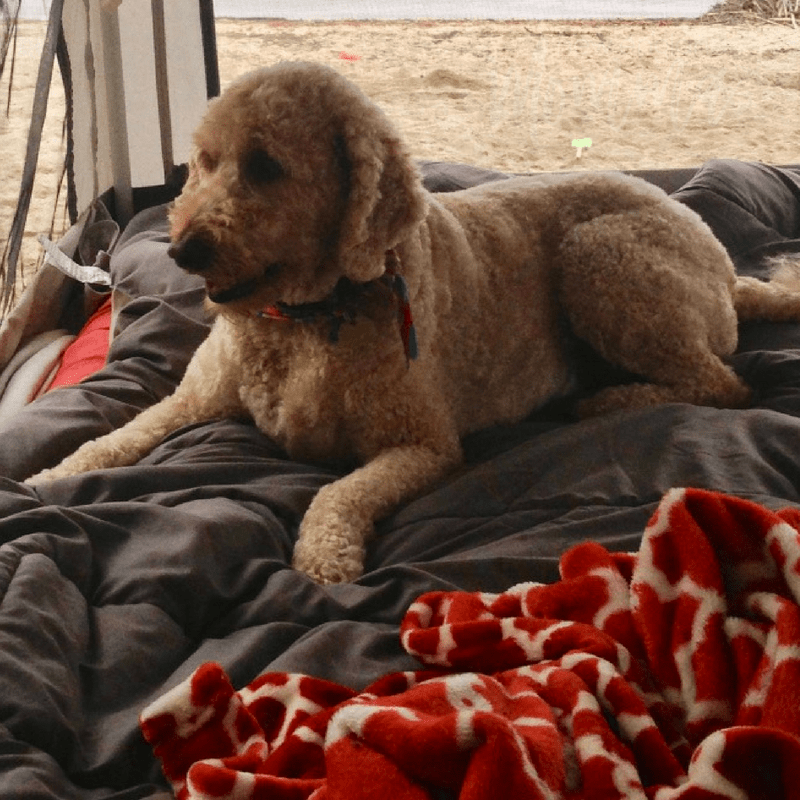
[360,318]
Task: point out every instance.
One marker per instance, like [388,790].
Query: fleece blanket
[673,672]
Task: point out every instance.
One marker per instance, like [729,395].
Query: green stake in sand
[580,144]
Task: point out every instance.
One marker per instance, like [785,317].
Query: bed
[604,608]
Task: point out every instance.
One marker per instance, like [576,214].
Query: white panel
[92,160]
[186,72]
[99,121]
[117,130]
[141,99]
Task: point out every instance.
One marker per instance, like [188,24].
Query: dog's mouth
[241,290]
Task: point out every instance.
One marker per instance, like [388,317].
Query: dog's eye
[206,162]
[260,168]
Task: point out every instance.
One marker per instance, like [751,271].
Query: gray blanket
[116,585]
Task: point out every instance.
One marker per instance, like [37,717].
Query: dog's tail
[776,300]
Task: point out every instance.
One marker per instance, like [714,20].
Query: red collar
[342,305]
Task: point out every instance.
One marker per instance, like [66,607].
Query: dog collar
[343,304]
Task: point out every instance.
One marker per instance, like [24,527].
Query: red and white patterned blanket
[671,673]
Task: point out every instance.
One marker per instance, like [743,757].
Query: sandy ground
[511,96]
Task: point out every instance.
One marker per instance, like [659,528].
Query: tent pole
[208,27]
[38,114]
[117,113]
[162,86]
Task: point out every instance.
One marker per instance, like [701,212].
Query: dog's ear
[384,197]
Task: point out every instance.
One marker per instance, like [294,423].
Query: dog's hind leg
[703,380]
[657,304]
[775,301]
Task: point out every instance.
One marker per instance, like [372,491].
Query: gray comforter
[116,585]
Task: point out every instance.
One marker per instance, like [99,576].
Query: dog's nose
[192,253]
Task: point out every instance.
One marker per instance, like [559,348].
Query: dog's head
[297,180]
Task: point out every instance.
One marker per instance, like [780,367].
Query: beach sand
[506,95]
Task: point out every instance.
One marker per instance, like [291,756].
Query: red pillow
[88,352]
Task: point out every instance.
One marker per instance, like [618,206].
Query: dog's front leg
[334,530]
[124,446]
[208,390]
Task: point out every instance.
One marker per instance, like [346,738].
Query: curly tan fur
[299,182]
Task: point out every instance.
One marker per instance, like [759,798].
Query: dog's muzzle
[193,253]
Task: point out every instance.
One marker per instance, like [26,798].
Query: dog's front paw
[40,478]
[329,549]
[67,468]
[328,557]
